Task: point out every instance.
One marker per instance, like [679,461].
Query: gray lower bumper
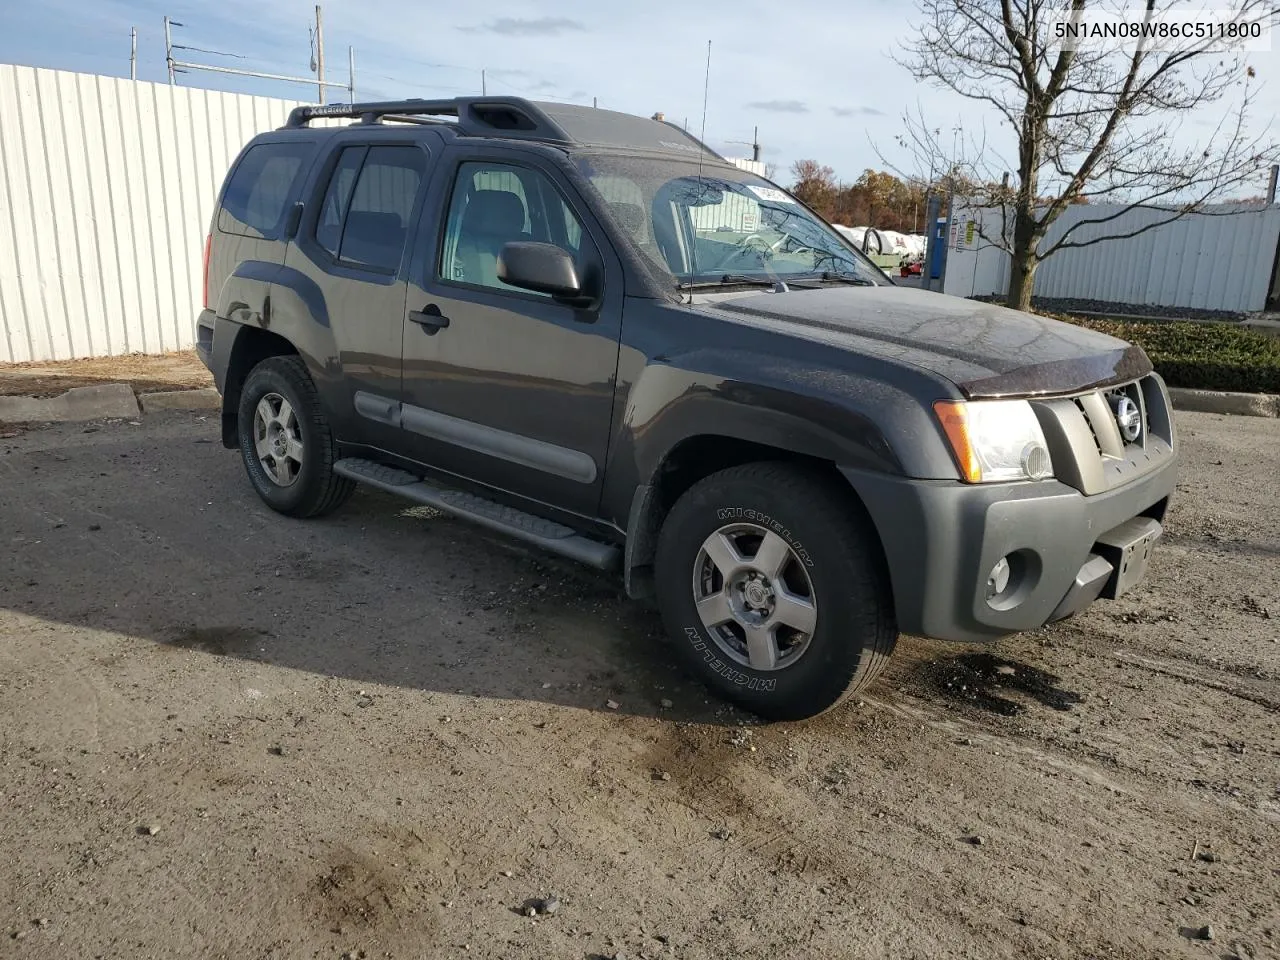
[204,337]
[942,538]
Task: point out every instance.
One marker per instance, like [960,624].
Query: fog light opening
[1012,579]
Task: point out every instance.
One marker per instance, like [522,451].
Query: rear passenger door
[349,258]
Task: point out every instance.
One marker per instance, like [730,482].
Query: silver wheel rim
[755,597]
[277,439]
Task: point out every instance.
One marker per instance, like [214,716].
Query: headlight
[995,440]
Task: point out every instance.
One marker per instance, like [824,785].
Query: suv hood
[986,350]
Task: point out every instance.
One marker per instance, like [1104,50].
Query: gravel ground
[224,733]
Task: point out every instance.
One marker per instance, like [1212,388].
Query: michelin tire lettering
[766,521]
[724,669]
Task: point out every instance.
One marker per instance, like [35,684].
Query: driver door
[504,386]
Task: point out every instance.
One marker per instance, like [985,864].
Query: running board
[516,524]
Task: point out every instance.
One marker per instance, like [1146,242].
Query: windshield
[720,226]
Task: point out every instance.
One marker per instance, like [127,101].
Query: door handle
[429,318]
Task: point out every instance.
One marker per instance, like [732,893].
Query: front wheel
[771,581]
[286,442]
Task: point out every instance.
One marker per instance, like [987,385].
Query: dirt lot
[228,734]
[145,373]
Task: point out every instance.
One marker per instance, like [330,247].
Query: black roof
[520,119]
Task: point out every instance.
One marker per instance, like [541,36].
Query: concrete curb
[205,398]
[79,403]
[1214,401]
[1267,325]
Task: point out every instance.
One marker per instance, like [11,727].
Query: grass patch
[1204,356]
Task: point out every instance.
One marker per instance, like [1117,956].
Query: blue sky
[817,79]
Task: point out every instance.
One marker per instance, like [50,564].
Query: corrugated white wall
[108,188]
[1219,261]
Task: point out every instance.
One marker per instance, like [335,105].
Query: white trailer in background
[887,248]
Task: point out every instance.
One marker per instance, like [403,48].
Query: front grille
[1093,433]
[1106,438]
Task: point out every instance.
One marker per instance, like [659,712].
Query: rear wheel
[286,442]
[772,583]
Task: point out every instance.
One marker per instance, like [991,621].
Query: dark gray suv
[588,331]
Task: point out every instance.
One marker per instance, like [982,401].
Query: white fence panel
[108,188]
[1218,261]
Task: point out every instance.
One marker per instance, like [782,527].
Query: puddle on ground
[1000,686]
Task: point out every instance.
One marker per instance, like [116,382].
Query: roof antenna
[693,247]
[706,85]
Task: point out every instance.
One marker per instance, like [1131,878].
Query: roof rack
[514,118]
[510,116]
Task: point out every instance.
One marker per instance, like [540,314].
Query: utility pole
[484,85]
[754,144]
[168,48]
[133,53]
[317,63]
[320,51]
[1271,184]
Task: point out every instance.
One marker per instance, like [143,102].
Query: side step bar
[516,524]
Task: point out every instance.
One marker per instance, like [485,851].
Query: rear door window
[333,209]
[258,194]
[367,211]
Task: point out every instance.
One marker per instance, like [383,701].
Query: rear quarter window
[257,196]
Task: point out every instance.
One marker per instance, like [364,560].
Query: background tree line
[884,200]
[877,198]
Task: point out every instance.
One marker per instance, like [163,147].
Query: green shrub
[1206,356]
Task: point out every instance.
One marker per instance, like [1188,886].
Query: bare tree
[1092,124]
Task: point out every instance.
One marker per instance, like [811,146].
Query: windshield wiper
[740,279]
[833,277]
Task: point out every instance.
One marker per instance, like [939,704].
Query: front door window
[494,204]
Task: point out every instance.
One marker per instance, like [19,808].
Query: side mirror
[541,267]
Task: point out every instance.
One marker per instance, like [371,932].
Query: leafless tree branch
[1091,123]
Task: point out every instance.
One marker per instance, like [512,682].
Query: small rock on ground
[541,907]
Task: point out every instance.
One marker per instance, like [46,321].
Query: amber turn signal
[954,417]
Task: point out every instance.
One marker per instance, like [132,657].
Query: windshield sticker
[772,194]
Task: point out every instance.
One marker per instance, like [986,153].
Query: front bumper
[942,538]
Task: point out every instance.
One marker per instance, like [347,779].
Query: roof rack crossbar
[301,116]
[474,115]
[405,118]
